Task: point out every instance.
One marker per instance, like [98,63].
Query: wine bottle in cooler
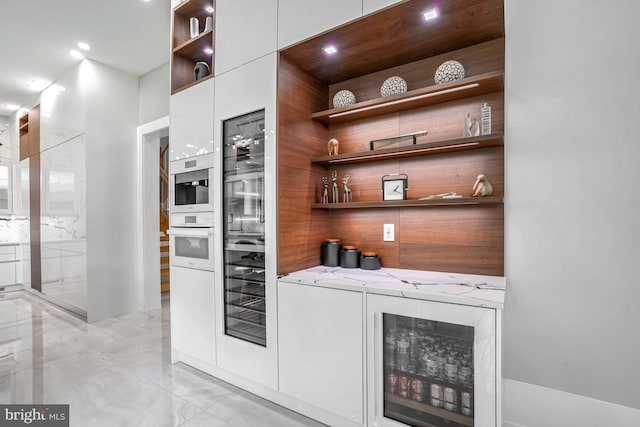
[390,354]
[403,352]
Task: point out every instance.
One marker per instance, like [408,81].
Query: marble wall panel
[63,221]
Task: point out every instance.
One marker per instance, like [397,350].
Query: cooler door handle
[378,374]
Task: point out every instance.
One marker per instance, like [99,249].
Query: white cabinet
[8,265]
[321,348]
[245,30]
[370,6]
[248,88]
[63,107]
[192,315]
[191,123]
[300,19]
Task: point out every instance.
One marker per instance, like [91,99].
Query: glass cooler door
[243,194]
[428,371]
[433,364]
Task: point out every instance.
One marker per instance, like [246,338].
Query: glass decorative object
[485,119]
[194,27]
[393,86]
[448,72]
[343,98]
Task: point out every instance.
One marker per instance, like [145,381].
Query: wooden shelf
[432,410]
[187,51]
[191,7]
[193,49]
[460,89]
[413,150]
[412,203]
[193,83]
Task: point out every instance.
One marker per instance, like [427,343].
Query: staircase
[164,219]
[164,263]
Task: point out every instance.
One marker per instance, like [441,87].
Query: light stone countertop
[454,288]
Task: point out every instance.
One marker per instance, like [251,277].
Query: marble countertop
[455,288]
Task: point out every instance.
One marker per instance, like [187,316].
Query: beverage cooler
[244,228]
[431,364]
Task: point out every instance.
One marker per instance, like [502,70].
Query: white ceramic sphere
[449,71]
[393,86]
[343,98]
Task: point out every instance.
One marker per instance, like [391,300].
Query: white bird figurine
[482,187]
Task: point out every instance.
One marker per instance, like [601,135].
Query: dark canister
[370,261]
[331,252]
[350,257]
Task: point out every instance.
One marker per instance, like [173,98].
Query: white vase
[208,23]
[194,27]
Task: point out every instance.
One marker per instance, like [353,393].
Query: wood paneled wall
[464,239]
[34,197]
[478,59]
[300,231]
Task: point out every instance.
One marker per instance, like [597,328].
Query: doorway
[153,189]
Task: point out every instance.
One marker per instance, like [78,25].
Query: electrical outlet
[388,234]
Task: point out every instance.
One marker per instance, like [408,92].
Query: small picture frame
[395,186]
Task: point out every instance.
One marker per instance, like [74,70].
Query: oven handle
[190,232]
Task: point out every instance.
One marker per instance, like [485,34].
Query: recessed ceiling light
[208,51]
[330,50]
[38,84]
[76,54]
[431,14]
[209,9]
[84,46]
[12,107]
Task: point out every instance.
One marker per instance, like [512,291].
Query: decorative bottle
[485,120]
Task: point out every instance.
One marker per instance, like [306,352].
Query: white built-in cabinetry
[332,342]
[301,19]
[190,126]
[245,30]
[192,316]
[321,348]
[63,107]
[8,262]
[245,89]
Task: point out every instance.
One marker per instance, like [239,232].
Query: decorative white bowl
[343,98]
[393,86]
[449,71]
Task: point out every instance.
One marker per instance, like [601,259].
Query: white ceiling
[36,35]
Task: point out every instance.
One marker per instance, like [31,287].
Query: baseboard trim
[529,405]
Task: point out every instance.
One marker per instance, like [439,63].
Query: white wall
[572,197]
[154,94]
[112,116]
[529,405]
[5,148]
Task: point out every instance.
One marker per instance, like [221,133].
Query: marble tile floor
[117,372]
[72,292]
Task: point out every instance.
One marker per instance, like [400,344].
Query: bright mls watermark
[34,415]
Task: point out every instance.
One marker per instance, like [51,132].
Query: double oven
[191,212]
